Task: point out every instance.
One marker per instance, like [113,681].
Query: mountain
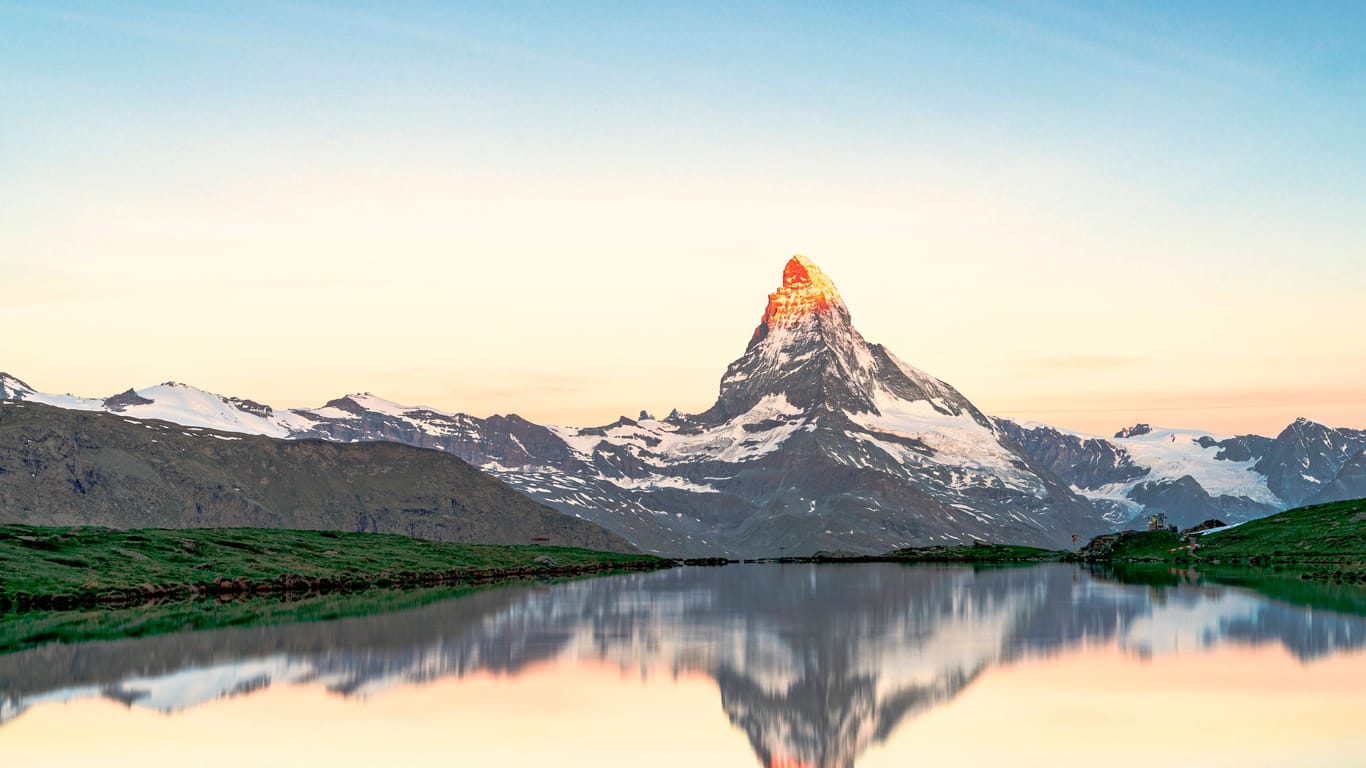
[1307,456]
[173,402]
[818,440]
[1193,476]
[1350,482]
[68,467]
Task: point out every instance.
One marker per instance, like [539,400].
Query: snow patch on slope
[662,444]
[1170,454]
[956,441]
[193,407]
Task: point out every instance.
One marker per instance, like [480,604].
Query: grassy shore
[63,568]
[33,628]
[1323,542]
[1004,554]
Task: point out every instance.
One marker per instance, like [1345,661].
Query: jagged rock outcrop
[1350,482]
[1306,456]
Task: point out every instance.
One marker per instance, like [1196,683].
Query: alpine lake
[792,665]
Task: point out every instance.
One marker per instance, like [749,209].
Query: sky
[1086,214]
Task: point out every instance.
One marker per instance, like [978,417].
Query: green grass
[1151,546]
[1291,585]
[28,629]
[1321,541]
[977,553]
[1285,585]
[1324,542]
[85,565]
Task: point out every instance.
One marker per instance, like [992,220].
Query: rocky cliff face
[1350,482]
[1084,462]
[1307,456]
[1191,476]
[65,467]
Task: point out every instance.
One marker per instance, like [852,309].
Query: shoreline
[52,568]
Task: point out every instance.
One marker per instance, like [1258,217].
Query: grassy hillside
[62,467]
[69,567]
[1324,539]
[1320,541]
[1137,546]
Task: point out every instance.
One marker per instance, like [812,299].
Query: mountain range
[68,467]
[818,441]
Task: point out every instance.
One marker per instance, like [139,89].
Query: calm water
[865,665]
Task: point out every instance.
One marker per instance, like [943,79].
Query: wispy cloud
[1130,45]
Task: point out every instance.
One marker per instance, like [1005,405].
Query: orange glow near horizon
[572,714]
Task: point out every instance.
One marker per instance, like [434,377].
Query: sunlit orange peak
[805,291]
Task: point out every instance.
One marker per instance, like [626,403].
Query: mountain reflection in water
[813,663]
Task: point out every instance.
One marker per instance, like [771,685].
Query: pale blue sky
[446,201]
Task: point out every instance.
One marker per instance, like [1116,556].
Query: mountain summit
[805,291]
[807,351]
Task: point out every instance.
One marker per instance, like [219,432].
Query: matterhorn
[818,441]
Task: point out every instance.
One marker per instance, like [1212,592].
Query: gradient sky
[1088,214]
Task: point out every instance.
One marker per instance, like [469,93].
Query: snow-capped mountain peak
[805,291]
[176,403]
[808,350]
[12,388]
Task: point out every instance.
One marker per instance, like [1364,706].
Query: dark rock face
[1186,503]
[1205,526]
[1082,462]
[1301,461]
[1306,456]
[527,456]
[1350,482]
[125,400]
[1240,448]
[1134,431]
[251,406]
[61,467]
[1244,448]
[12,388]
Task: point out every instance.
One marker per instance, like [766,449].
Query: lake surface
[794,665]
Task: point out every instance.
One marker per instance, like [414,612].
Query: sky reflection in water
[811,666]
